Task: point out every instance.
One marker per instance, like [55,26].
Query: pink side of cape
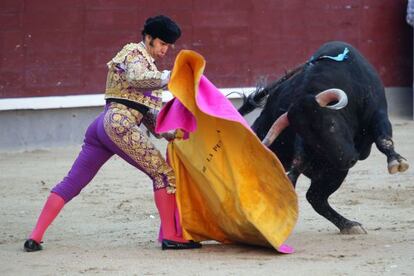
[209,100]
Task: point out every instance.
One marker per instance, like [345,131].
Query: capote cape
[230,188]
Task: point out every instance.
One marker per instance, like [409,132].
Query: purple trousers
[115,131]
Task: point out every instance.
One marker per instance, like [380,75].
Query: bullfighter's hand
[165,77]
[169,136]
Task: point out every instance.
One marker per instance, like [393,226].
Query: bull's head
[321,127]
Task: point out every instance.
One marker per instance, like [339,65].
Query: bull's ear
[278,126]
[333,94]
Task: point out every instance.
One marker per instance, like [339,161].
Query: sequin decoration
[132,73]
[122,126]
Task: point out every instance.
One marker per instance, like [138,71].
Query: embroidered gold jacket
[133,76]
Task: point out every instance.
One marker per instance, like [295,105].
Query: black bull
[322,135]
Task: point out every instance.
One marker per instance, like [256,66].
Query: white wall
[43,125]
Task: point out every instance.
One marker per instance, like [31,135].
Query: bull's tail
[254,100]
[259,96]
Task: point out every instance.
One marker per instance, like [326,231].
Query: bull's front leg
[382,131]
[298,161]
[324,183]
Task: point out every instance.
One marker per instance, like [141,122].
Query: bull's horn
[278,126]
[330,95]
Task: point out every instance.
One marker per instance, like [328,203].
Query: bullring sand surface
[111,227]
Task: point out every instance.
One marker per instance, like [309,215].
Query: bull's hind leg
[322,186]
[383,139]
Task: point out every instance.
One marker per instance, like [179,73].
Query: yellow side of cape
[230,188]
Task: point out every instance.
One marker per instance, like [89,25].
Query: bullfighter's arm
[150,121]
[138,75]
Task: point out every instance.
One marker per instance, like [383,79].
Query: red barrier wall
[50,47]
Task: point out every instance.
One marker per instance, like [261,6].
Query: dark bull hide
[322,135]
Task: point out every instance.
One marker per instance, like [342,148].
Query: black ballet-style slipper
[32,245]
[169,244]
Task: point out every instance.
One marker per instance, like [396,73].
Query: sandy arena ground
[112,226]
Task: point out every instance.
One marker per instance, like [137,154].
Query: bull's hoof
[354,229]
[403,166]
[395,166]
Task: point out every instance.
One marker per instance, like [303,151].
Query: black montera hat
[162,27]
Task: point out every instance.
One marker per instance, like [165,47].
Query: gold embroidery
[132,75]
[121,124]
[120,57]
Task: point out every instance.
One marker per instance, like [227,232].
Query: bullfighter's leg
[92,156]
[121,132]
[322,186]
[382,131]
